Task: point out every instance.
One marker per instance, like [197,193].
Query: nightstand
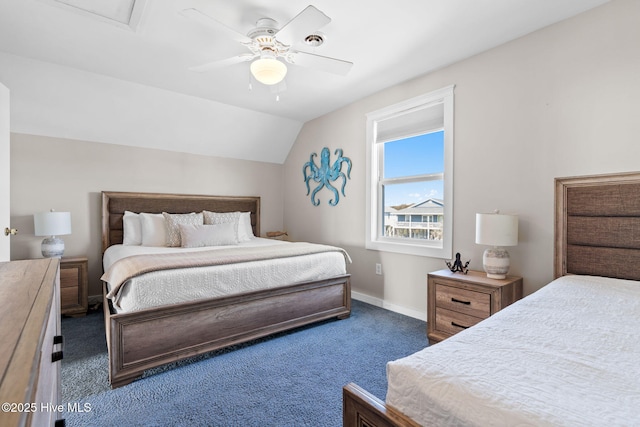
[457,301]
[74,286]
[277,235]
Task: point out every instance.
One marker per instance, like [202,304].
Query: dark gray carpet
[288,379]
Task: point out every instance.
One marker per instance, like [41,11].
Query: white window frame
[375,238]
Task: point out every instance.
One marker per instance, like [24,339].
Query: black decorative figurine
[457,266]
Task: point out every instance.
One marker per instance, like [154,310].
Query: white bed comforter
[191,284]
[567,355]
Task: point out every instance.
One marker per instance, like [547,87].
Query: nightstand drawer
[453,322]
[69,297]
[74,285]
[476,304]
[69,277]
[457,301]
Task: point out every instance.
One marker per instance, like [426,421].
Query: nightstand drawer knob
[460,301]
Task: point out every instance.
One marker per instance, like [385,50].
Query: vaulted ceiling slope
[126,79]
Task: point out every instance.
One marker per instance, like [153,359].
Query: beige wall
[559,102]
[69,175]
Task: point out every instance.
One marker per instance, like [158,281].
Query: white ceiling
[388,42]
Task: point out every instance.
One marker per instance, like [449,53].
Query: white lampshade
[52,224]
[496,230]
[268,71]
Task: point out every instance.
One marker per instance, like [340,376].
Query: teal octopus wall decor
[325,174]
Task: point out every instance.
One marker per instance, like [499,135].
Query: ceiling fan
[268,45]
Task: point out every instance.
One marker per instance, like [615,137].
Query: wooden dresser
[30,343]
[456,301]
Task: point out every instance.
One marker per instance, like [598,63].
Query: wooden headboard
[115,203]
[597,226]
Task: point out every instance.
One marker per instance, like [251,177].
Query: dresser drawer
[452,322]
[472,303]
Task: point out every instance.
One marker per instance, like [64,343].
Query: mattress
[566,355]
[174,286]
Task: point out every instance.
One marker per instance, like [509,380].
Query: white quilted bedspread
[567,355]
[191,284]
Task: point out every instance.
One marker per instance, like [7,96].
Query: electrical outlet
[378,268]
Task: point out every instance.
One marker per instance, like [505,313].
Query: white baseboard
[388,306]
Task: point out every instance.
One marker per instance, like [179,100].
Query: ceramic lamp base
[52,247]
[495,262]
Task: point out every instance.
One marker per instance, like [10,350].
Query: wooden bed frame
[148,338]
[597,232]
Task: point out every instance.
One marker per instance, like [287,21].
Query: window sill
[410,249]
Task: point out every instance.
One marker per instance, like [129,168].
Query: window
[410,176]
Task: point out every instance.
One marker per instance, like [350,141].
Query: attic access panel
[122,13]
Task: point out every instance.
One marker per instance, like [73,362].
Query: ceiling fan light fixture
[268,71]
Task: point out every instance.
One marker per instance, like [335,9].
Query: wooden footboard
[362,409]
[149,338]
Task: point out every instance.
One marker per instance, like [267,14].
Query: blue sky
[414,156]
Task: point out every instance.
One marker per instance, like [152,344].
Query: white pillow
[241,219]
[132,230]
[172,221]
[196,236]
[154,232]
[245,224]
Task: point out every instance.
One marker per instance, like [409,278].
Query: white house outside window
[410,176]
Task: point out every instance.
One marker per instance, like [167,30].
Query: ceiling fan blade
[205,19]
[303,24]
[324,63]
[222,63]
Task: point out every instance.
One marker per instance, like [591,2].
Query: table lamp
[497,230]
[52,224]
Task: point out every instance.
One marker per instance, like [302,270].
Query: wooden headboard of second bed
[598,226]
[115,203]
